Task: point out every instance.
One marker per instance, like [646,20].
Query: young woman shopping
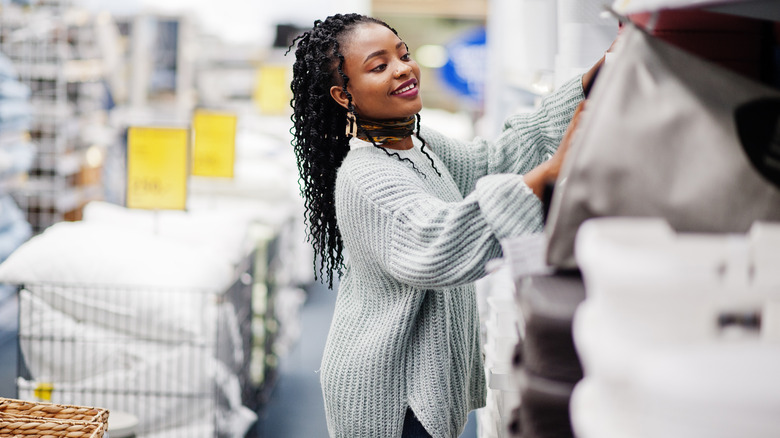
[407,218]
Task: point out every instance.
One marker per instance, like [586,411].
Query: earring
[351,125]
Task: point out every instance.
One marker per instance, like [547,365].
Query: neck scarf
[386,131]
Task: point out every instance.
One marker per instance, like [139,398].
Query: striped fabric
[405,331]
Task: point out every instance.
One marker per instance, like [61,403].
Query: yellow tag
[214,149]
[157,174]
[272,90]
[43,391]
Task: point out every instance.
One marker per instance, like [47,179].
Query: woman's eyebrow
[382,52]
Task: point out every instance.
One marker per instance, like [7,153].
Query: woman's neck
[404,144]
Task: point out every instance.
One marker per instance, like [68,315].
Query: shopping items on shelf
[677,148]
[52,90]
[736,43]
[545,362]
[530,359]
[763,9]
[678,335]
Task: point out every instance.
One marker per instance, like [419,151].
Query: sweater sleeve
[421,240]
[527,140]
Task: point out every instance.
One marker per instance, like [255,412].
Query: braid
[319,139]
[424,143]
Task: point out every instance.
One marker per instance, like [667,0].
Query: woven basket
[28,419]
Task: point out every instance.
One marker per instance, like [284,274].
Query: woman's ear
[338,94]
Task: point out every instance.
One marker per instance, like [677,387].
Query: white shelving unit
[55,50]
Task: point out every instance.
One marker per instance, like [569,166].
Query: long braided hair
[319,137]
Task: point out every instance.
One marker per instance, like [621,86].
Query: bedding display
[678,334]
[116,311]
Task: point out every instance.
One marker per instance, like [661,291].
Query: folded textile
[13,89]
[7,69]
[19,124]
[14,228]
[16,157]
[12,109]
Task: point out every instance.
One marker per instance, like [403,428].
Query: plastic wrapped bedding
[13,89]
[46,357]
[186,400]
[221,231]
[16,125]
[110,304]
[16,157]
[12,109]
[84,253]
[14,228]
[7,69]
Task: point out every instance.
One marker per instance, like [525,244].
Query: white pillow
[220,230]
[86,253]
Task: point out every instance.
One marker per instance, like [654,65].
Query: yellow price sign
[157,168]
[272,89]
[43,391]
[214,150]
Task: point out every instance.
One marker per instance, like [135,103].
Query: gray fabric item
[658,138]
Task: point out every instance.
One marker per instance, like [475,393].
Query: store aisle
[295,408]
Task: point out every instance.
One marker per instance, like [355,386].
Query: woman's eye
[380,67]
[406,57]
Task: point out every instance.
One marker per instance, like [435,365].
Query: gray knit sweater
[405,331]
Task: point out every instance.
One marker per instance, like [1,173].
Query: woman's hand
[589,76]
[548,171]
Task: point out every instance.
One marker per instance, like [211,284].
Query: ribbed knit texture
[405,331]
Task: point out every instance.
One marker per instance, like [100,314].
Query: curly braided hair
[319,137]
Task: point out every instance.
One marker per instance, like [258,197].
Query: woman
[407,217]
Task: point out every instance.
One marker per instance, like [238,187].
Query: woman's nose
[402,69]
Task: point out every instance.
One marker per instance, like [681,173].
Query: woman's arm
[547,172]
[393,223]
[527,140]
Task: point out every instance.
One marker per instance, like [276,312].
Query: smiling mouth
[411,86]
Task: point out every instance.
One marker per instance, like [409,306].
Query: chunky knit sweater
[405,332]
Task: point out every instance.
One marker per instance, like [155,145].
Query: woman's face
[383,79]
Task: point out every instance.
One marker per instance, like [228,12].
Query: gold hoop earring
[351,130]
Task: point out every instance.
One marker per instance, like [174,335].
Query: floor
[8,343]
[295,408]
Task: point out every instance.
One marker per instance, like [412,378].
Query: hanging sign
[272,89]
[157,168]
[214,149]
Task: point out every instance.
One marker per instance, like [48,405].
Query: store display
[649,307]
[671,150]
[60,69]
[678,335]
[161,330]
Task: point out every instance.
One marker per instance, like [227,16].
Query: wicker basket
[28,419]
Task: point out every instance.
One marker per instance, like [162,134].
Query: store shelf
[82,70]
[55,50]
